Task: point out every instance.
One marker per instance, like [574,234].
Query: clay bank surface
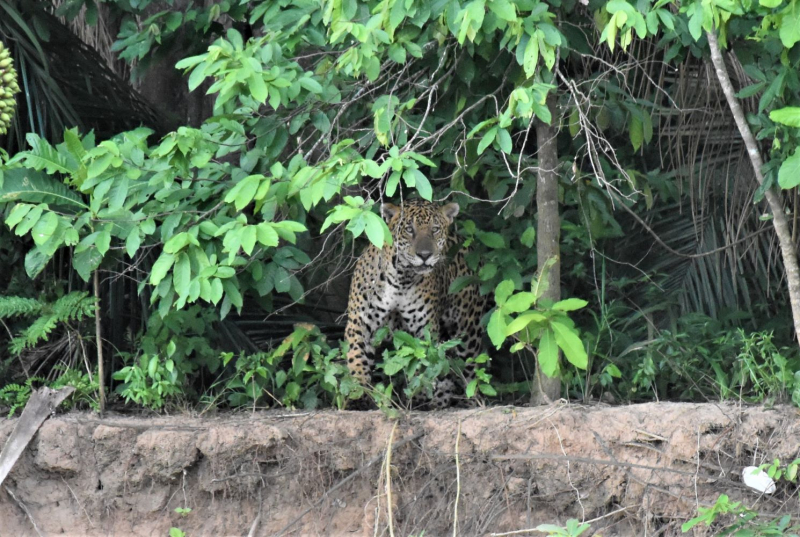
[628,470]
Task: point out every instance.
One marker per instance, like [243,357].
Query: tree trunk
[779,220]
[547,389]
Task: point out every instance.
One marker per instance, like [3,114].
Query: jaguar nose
[424,254]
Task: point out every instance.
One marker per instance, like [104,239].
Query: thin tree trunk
[779,220]
[98,325]
[547,389]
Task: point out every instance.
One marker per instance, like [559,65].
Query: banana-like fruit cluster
[8,88]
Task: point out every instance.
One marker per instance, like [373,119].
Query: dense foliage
[322,110]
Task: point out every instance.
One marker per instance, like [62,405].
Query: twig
[389,510]
[98,325]
[78,502]
[257,521]
[458,483]
[346,480]
[25,508]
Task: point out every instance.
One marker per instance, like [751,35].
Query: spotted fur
[404,285]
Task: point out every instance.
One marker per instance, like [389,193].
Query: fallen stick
[40,405]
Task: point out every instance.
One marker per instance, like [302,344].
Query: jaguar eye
[436,229]
[409,229]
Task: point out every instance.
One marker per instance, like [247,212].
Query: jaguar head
[420,230]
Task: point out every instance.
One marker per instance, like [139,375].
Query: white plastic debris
[758,480]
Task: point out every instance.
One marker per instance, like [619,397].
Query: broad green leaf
[423,186]
[132,243]
[35,261]
[789,173]
[491,239]
[503,9]
[266,234]
[86,262]
[504,141]
[16,215]
[176,242]
[789,115]
[248,239]
[635,131]
[569,342]
[503,291]
[374,227]
[161,267]
[497,328]
[103,242]
[244,191]
[487,140]
[528,237]
[257,87]
[523,321]
[531,57]
[29,221]
[789,31]
[182,274]
[570,304]
[45,228]
[519,302]
[548,354]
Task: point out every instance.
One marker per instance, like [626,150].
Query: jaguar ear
[388,211]
[450,211]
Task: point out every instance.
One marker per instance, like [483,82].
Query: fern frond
[11,306]
[73,307]
[39,330]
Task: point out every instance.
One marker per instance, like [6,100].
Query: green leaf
[497,328]
[531,56]
[86,262]
[257,87]
[789,173]
[567,338]
[248,239]
[503,9]
[487,140]
[503,291]
[182,275]
[523,321]
[635,131]
[176,242]
[528,237]
[103,242]
[161,267]
[504,141]
[770,3]
[519,302]
[311,85]
[789,115]
[570,304]
[373,225]
[244,191]
[423,186]
[22,184]
[266,234]
[17,214]
[132,243]
[548,354]
[491,239]
[790,27]
[45,228]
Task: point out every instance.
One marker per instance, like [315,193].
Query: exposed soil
[636,470]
